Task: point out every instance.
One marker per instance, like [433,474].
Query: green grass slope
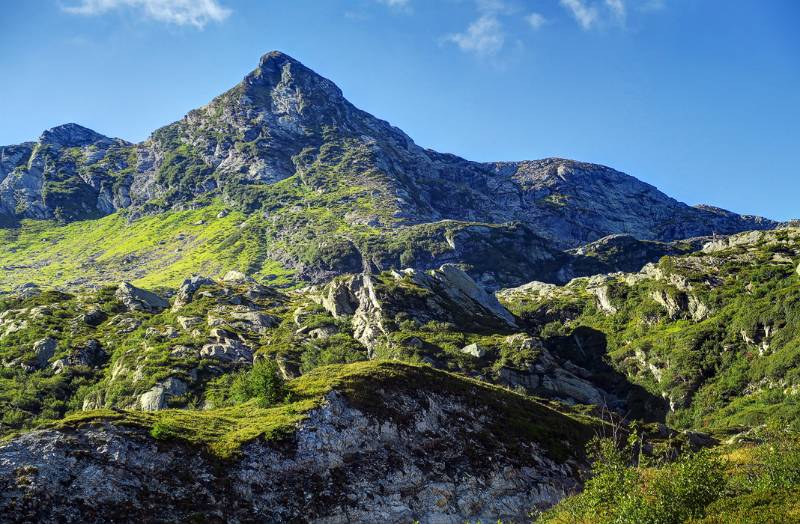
[368,386]
[154,251]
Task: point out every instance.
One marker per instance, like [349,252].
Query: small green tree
[262,382]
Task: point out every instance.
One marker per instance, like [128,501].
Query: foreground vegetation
[747,483]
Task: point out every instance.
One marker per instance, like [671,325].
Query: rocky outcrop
[342,465]
[446,294]
[462,290]
[135,299]
[158,397]
[89,354]
[43,351]
[227,347]
[187,290]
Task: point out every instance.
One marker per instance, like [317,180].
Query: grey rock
[136,299]
[227,350]
[463,290]
[474,350]
[44,349]
[158,397]
[94,317]
[187,290]
[188,323]
[339,299]
[322,332]
[89,354]
[254,321]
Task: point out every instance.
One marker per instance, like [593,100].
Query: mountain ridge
[286,140]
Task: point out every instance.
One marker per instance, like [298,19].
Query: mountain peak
[71,135]
[277,58]
[279,70]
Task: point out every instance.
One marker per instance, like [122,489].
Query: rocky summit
[281,309]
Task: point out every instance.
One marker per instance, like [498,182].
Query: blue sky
[698,97]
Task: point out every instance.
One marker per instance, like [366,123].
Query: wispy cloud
[197,13]
[484,36]
[585,14]
[618,11]
[499,21]
[593,13]
[535,20]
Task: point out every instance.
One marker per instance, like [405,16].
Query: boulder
[236,277]
[188,323]
[474,350]
[322,332]
[135,299]
[126,324]
[94,317]
[187,290]
[90,354]
[43,349]
[254,320]
[227,350]
[159,395]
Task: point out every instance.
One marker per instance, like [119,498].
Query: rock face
[446,294]
[69,173]
[342,465]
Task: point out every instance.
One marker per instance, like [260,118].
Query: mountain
[329,188]
[280,308]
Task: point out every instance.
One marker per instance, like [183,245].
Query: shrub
[622,492]
[781,461]
[262,382]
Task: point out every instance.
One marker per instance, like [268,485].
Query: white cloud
[592,13]
[617,8]
[535,20]
[197,13]
[484,36]
[396,4]
[586,15]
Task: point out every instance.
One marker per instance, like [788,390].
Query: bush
[781,461]
[623,492]
[262,382]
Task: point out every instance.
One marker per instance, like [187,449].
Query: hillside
[714,333]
